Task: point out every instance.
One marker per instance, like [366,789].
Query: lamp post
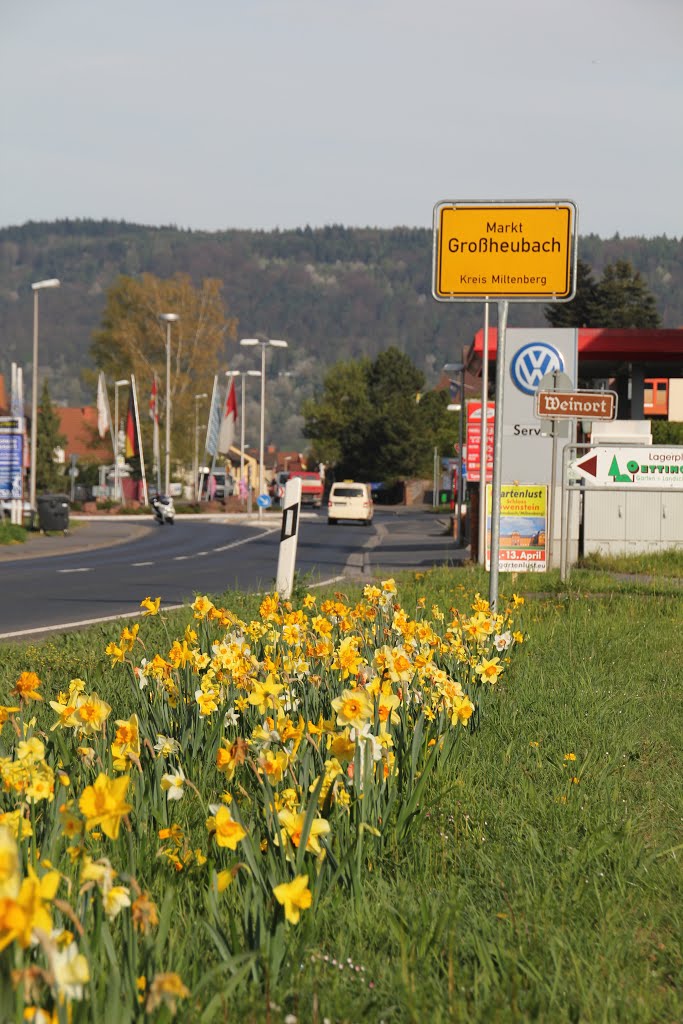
[195,465]
[52,282]
[459,369]
[264,343]
[168,319]
[117,384]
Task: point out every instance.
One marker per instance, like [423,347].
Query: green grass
[11,533]
[520,895]
[661,563]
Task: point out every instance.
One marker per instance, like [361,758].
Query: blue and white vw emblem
[531,363]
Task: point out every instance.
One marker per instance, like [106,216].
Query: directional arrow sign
[655,468]
[586,467]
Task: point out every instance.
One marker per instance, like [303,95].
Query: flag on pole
[214,425]
[138,437]
[103,411]
[16,391]
[154,416]
[132,447]
[226,436]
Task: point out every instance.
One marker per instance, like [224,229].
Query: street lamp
[52,282]
[117,384]
[459,369]
[197,399]
[168,319]
[242,374]
[264,343]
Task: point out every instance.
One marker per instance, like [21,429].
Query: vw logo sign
[531,363]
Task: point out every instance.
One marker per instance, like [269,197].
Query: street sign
[624,467]
[516,251]
[584,404]
[264,501]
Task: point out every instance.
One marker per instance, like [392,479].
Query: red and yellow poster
[523,523]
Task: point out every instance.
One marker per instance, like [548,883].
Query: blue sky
[281,113]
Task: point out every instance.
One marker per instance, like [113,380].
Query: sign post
[508,252]
[289,538]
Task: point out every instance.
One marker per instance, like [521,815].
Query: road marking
[74,570]
[246,540]
[136,564]
[181,558]
[84,622]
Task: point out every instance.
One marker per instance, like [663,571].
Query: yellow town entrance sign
[521,252]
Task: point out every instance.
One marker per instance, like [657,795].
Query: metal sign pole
[497,454]
[483,440]
[564,528]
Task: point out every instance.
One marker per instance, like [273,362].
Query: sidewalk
[85,536]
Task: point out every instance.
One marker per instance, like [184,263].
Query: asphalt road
[43,591]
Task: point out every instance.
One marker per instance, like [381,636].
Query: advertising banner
[523,526]
[473,462]
[11,456]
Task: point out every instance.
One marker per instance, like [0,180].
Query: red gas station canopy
[613,346]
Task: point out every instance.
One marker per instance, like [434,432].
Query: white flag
[226,436]
[17,391]
[103,412]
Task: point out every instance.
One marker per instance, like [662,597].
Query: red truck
[311,486]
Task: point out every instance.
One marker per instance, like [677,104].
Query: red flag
[227,431]
[153,407]
[132,439]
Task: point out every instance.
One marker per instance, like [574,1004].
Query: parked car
[350,500]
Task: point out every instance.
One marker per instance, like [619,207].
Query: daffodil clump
[256,763]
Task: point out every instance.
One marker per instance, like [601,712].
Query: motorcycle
[164,509]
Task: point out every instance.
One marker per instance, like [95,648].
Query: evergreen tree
[620,299]
[583,308]
[49,475]
[623,298]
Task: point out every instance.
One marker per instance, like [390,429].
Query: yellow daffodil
[10,877]
[353,708]
[26,687]
[126,745]
[5,711]
[91,713]
[201,607]
[293,827]
[151,606]
[294,896]
[228,832]
[166,990]
[489,670]
[103,804]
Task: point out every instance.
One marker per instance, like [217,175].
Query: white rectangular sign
[653,468]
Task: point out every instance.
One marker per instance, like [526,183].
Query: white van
[349,500]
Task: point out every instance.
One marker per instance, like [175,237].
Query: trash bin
[53,512]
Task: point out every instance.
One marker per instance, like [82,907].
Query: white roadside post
[289,537]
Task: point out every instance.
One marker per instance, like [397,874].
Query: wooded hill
[334,293]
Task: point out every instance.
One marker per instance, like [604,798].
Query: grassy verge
[11,533]
[541,880]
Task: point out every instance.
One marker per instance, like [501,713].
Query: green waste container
[53,512]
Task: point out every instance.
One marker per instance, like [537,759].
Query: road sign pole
[497,455]
[483,441]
